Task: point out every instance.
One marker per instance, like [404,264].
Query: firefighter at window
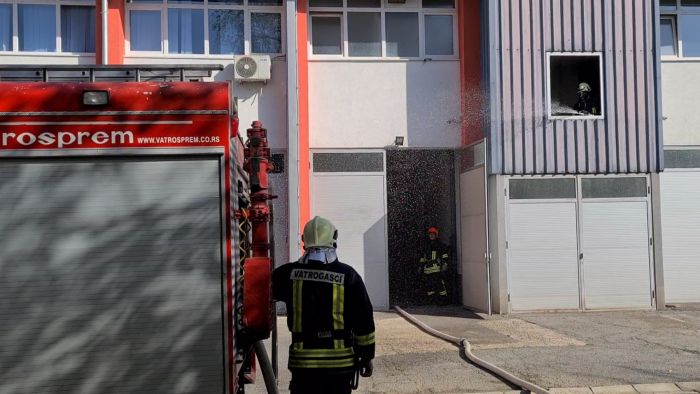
[434,264]
[585,104]
[329,315]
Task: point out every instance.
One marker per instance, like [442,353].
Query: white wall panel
[680,83]
[368,104]
[356,205]
[542,268]
[615,246]
[473,233]
[680,221]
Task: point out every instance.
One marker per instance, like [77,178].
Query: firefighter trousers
[318,381]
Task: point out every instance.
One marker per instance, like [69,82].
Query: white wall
[362,104]
[256,101]
[680,81]
[27,58]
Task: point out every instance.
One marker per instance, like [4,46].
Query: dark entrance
[420,194]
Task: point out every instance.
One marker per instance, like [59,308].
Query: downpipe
[266,367]
[465,350]
[105,39]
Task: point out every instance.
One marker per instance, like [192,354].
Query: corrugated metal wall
[524,140]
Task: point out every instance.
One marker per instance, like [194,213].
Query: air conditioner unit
[252,68]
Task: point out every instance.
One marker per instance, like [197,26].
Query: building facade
[530,133]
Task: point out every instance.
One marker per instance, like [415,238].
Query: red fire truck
[134,222]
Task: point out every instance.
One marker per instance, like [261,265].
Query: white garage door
[680,219]
[606,244]
[615,243]
[542,248]
[348,189]
[111,276]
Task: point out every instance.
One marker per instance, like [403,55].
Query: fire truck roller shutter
[111,276]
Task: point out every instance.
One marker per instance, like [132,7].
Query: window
[205,27]
[77,29]
[680,28]
[575,85]
[49,26]
[5,27]
[326,35]
[379,28]
[668,37]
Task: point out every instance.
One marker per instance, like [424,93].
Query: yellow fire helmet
[319,232]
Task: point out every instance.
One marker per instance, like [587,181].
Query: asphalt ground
[551,350]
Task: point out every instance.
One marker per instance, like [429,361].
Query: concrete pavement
[581,352]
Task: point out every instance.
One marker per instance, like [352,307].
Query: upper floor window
[575,85]
[65,27]
[680,28]
[380,28]
[205,27]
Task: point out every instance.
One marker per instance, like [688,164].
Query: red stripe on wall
[303,79]
[115,31]
[473,102]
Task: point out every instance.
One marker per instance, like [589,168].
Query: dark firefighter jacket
[328,312]
[435,257]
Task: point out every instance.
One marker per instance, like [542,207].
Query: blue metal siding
[523,139]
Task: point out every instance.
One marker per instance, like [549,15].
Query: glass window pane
[77,29]
[613,187]
[365,3]
[682,158]
[348,162]
[402,34]
[226,32]
[690,3]
[229,2]
[186,1]
[364,34]
[326,36]
[690,35]
[542,189]
[668,3]
[264,2]
[185,31]
[5,27]
[439,35]
[37,27]
[146,1]
[438,4]
[144,27]
[325,3]
[266,32]
[668,38]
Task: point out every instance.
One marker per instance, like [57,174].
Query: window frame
[343,40]
[206,6]
[675,13]
[58,45]
[548,82]
[411,6]
[676,41]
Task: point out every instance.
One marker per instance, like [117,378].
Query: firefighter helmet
[584,87]
[434,230]
[319,232]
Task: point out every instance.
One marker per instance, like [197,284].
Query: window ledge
[46,54]
[338,59]
[674,59]
[203,58]
[573,117]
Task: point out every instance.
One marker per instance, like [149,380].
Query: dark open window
[575,85]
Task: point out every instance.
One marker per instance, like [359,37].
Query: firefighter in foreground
[329,314]
[434,263]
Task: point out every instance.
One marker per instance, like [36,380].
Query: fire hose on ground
[465,349]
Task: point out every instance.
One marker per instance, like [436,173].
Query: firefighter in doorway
[329,315]
[434,264]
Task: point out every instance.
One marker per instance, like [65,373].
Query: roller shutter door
[542,245]
[680,218]
[348,189]
[111,276]
[615,243]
